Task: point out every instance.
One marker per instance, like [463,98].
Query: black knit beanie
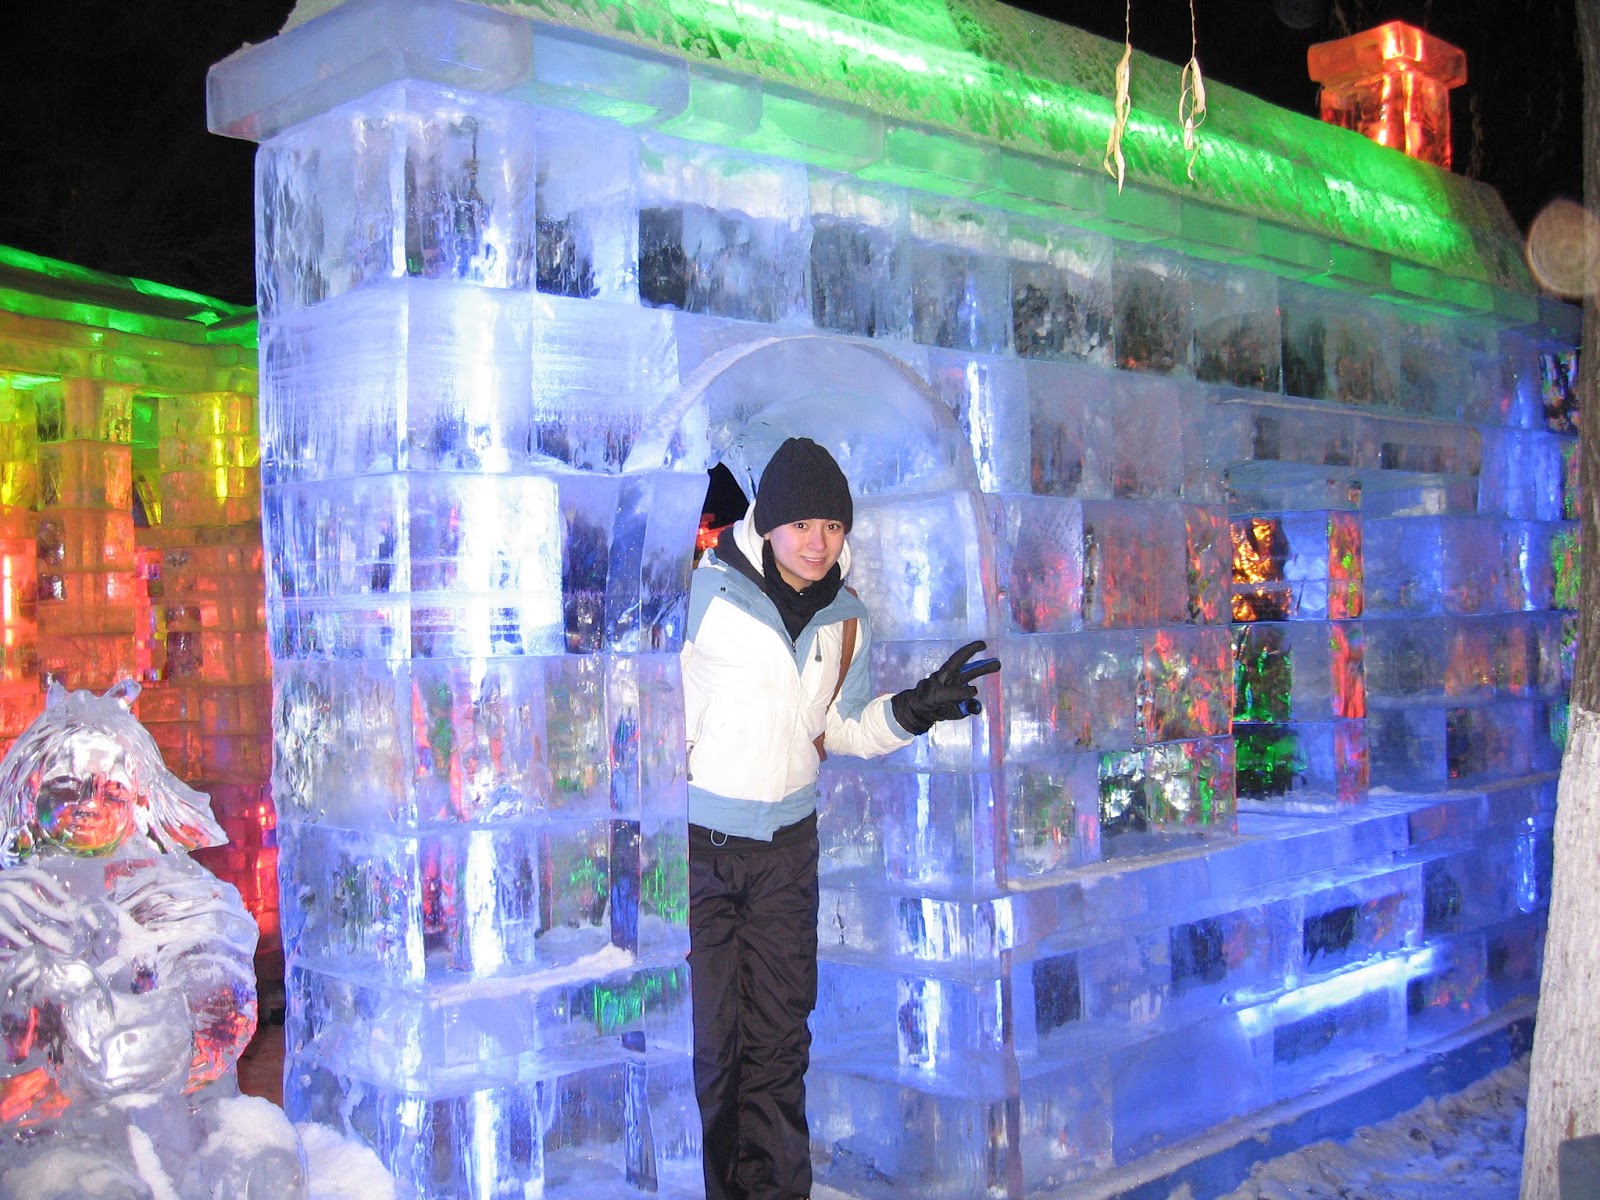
[802,483]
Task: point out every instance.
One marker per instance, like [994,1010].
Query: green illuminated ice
[32,285]
[1024,104]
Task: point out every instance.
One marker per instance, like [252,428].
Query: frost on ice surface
[127,987]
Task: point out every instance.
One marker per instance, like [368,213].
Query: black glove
[946,695]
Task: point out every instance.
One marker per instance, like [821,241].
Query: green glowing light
[1263,673]
[1268,758]
[624,1005]
[146,423]
[1560,724]
[24,382]
[989,76]
[664,881]
[32,285]
[1567,568]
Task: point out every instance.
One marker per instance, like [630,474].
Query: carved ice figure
[127,984]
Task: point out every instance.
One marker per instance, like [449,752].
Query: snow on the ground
[1469,1143]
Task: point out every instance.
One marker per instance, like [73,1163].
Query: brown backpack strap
[846,652]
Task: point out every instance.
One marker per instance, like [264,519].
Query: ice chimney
[1391,83]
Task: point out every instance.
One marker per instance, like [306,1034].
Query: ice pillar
[19,621]
[87,575]
[472,607]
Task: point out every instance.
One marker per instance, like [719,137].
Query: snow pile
[1469,1143]
[341,1169]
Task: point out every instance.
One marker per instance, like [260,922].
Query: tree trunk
[1564,1087]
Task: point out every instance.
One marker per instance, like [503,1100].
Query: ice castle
[1260,484]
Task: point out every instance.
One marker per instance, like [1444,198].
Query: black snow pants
[753,966]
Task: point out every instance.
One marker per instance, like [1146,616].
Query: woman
[774,670]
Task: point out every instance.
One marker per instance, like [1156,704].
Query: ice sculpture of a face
[87,796]
[127,989]
[87,779]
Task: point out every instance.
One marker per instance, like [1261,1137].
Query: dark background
[107,162]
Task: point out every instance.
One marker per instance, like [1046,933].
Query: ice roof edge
[981,72]
[35,285]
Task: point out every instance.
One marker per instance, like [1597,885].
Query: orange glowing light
[706,538]
[29,1098]
[1391,84]
[1255,540]
[1260,551]
[1349,676]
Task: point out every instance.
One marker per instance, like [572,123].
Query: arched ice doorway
[924,559]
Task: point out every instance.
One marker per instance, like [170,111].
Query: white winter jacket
[754,704]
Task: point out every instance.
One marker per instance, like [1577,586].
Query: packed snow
[1469,1142]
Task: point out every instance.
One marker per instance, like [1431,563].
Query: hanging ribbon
[1122,104]
[1191,99]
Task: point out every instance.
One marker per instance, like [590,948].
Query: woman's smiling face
[805,551]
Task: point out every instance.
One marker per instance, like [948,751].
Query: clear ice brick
[429,375]
[855,288]
[1060,293]
[1039,547]
[599,370]
[960,292]
[918,566]
[1153,319]
[410,181]
[721,234]
[584,204]
[1237,337]
[989,397]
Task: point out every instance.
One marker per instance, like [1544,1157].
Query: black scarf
[797,608]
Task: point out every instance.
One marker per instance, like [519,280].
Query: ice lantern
[1392,84]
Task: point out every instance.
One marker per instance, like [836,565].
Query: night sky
[108,163]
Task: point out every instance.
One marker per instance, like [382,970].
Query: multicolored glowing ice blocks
[1293,671]
[1558,374]
[1298,566]
[131,435]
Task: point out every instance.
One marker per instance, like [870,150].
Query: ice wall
[1275,546]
